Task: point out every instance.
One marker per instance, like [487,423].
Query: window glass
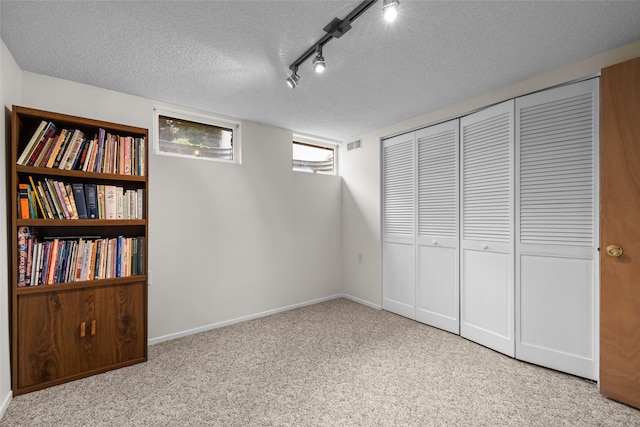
[195,135]
[313,158]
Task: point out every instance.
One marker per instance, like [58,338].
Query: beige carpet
[332,364]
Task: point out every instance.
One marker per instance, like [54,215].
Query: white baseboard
[205,328]
[361,301]
[5,403]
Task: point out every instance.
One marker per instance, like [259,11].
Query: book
[44,196]
[54,198]
[37,196]
[23,199]
[91,151]
[72,152]
[46,148]
[78,261]
[81,204]
[51,265]
[23,237]
[91,199]
[61,256]
[120,205]
[110,207]
[35,138]
[49,133]
[64,199]
[101,213]
[56,149]
[72,201]
[97,165]
[64,147]
[80,157]
[35,262]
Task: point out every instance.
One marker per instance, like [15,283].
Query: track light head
[318,62]
[390,9]
[293,79]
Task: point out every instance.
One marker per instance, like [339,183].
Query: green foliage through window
[187,138]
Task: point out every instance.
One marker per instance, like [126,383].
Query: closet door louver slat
[398,189]
[437,184]
[558,181]
[487,180]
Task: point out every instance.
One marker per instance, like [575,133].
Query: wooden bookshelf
[76,325]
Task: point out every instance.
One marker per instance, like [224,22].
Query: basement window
[313,158]
[187,134]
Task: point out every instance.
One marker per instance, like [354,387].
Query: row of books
[63,260]
[51,199]
[70,149]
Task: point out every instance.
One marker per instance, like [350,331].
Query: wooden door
[119,325]
[51,345]
[620,226]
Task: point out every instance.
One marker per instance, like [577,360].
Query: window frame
[320,143]
[198,117]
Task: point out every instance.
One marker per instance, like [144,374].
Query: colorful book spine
[31,145]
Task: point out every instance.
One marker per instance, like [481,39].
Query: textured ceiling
[232,57]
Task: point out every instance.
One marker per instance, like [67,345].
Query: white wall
[225,241]
[361,171]
[10,93]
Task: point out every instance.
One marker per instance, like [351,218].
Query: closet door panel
[487,285]
[437,289]
[488,299]
[557,228]
[437,285]
[399,278]
[552,330]
[398,250]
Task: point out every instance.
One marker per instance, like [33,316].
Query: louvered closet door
[487,286]
[437,289]
[398,216]
[556,228]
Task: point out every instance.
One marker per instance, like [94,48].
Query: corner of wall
[11,93]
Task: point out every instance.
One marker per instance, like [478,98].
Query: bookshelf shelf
[98,176]
[79,233]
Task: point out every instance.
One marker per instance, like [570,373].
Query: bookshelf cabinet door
[50,345]
[120,324]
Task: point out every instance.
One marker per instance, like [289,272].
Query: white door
[486,282]
[437,288]
[557,228]
[398,225]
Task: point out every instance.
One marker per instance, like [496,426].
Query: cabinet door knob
[435,243]
[93,327]
[83,327]
[614,250]
[485,246]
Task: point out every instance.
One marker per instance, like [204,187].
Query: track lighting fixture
[318,61]
[390,9]
[293,79]
[336,29]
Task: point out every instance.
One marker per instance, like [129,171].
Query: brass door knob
[614,250]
